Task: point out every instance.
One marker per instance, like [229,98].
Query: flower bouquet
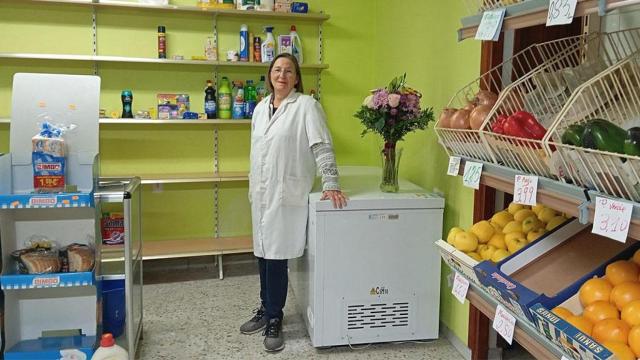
[393,112]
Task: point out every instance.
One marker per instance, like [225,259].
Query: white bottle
[296,44]
[108,350]
[265,5]
[268,49]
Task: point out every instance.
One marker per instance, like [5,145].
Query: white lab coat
[283,170]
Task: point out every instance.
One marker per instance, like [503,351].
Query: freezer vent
[373,316]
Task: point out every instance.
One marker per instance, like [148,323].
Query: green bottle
[250,99]
[224,99]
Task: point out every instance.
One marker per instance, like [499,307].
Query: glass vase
[390,166]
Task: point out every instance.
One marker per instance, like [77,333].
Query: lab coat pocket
[295,191]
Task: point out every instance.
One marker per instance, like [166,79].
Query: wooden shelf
[316,17]
[168,249]
[202,177]
[525,333]
[534,12]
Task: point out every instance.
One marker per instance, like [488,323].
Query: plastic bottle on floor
[109,350]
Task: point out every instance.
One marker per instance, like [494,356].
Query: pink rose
[394,100]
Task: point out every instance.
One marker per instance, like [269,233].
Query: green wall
[365,44]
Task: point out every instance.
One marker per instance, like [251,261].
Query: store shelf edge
[53,280]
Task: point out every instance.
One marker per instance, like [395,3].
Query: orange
[636,257]
[631,313]
[610,330]
[562,312]
[594,290]
[581,324]
[634,340]
[600,310]
[621,271]
[625,293]
[620,350]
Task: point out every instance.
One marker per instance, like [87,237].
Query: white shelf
[317,17]
[125,59]
[181,178]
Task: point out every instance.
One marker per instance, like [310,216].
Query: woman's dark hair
[293,59]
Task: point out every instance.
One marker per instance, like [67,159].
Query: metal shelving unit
[180,178]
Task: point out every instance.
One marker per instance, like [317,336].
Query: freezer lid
[361,184]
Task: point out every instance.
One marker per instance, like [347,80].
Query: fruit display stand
[457,134]
[611,164]
[515,128]
[51,315]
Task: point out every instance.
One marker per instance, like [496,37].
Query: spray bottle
[268,51]
[296,44]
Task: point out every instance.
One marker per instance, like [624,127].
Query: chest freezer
[370,272]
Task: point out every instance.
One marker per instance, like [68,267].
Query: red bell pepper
[498,125]
[530,124]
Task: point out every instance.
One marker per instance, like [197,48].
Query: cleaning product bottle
[238,100]
[162,42]
[244,43]
[250,99]
[261,90]
[109,350]
[210,100]
[265,5]
[268,51]
[296,44]
[224,99]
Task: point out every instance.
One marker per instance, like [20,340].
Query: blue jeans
[274,280]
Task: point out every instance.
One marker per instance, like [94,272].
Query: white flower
[394,100]
[368,102]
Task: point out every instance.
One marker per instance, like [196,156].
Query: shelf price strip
[561,12]
[454,166]
[504,323]
[460,288]
[612,218]
[525,189]
[472,172]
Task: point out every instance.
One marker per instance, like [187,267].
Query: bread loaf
[81,258]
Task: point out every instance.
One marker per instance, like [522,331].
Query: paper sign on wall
[460,288]
[504,323]
[612,218]
[471,176]
[454,166]
[561,12]
[525,189]
[490,25]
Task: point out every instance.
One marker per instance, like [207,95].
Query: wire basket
[468,143]
[478,6]
[612,167]
[543,93]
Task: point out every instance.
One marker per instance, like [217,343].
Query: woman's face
[283,76]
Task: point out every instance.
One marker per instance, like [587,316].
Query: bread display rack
[56,314]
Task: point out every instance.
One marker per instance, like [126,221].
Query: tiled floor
[192,315]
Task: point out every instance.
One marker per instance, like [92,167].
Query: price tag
[454,166]
[472,172]
[490,25]
[504,323]
[460,288]
[561,12]
[525,189]
[612,218]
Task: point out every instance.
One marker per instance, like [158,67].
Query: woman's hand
[338,199]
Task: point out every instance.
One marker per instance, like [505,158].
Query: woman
[289,140]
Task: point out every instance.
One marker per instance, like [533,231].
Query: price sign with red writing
[460,288]
[525,189]
[504,323]
[612,218]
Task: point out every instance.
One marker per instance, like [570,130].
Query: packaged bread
[78,257]
[37,261]
[48,159]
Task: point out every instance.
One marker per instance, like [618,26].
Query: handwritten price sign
[490,25]
[454,166]
[525,189]
[612,218]
[472,172]
[460,288]
[561,12]
[504,323]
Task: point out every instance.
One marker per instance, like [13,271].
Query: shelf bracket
[583,212]
[602,7]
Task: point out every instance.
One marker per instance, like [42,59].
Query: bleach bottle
[109,350]
[296,44]
[268,51]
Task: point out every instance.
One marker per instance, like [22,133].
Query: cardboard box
[570,255]
[172,106]
[458,261]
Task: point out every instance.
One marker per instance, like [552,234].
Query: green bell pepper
[573,135]
[632,142]
[604,135]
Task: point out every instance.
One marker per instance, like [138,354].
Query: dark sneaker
[273,338]
[257,322]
